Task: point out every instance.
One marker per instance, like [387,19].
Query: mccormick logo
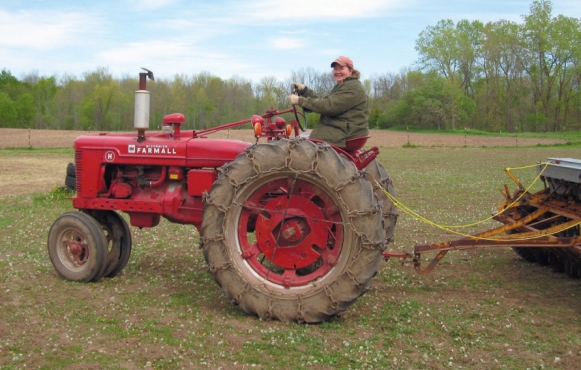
[110,156]
[151,149]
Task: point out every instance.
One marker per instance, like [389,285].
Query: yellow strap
[449,228]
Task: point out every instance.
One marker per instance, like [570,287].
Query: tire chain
[364,240]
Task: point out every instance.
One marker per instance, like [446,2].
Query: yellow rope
[507,170]
[449,229]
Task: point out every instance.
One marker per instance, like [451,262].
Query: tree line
[499,76]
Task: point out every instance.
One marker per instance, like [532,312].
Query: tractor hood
[161,149]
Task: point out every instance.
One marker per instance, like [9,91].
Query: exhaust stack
[142,98]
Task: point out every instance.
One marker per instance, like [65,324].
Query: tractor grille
[79,171]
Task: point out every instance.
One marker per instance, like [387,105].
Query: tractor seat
[355,143]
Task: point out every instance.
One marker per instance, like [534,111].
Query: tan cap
[343,61]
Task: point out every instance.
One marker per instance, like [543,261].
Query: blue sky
[250,39]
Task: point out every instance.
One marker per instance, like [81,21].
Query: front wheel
[77,247]
[119,242]
[292,231]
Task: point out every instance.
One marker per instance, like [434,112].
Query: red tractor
[291,229]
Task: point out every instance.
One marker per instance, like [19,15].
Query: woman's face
[340,72]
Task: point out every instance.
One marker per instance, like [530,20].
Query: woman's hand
[294,99]
[299,88]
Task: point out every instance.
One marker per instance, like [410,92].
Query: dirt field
[21,138]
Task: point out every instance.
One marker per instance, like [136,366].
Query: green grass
[485,309]
[567,135]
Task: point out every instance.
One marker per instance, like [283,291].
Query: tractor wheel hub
[291,233]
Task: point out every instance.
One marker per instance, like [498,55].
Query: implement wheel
[572,269]
[77,247]
[292,231]
[527,253]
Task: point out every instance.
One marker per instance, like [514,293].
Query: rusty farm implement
[541,227]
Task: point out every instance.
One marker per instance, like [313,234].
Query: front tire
[77,247]
[292,231]
[119,241]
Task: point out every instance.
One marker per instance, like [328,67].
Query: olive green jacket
[344,112]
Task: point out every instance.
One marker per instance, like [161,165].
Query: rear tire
[71,182]
[292,231]
[71,170]
[381,182]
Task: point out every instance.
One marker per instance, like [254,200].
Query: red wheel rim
[290,232]
[75,248]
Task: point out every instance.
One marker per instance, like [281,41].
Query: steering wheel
[303,127]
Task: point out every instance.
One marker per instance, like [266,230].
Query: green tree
[6,78]
[438,49]
[68,103]
[501,97]
[550,56]
[8,112]
[26,109]
[567,35]
[101,109]
[435,103]
[12,86]
[271,93]
[454,51]
[202,107]
[470,62]
[43,92]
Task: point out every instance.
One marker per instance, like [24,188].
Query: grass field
[485,309]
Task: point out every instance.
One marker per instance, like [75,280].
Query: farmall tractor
[291,229]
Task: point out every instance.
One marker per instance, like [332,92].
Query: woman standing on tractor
[344,112]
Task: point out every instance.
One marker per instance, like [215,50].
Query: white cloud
[151,4]
[145,50]
[323,10]
[44,30]
[169,57]
[296,32]
[286,43]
